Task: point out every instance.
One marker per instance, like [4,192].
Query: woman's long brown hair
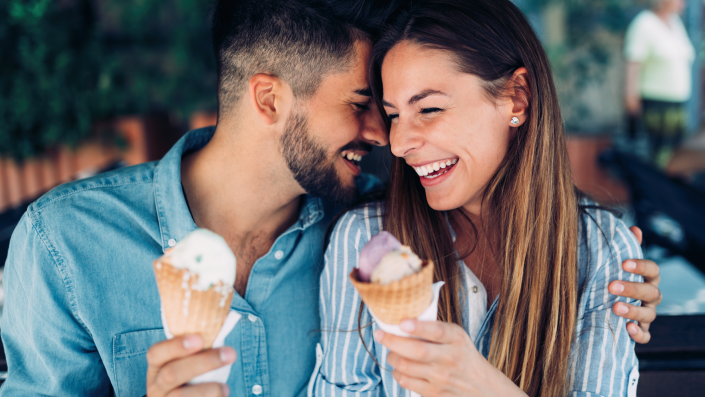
[531,196]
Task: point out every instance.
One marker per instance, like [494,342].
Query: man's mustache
[361,146]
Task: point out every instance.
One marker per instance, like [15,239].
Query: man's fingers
[645,292]
[637,233]
[644,267]
[638,334]
[168,350]
[177,372]
[202,390]
[641,314]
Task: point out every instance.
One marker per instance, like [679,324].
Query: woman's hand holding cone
[174,362]
[444,361]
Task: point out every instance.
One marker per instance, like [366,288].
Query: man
[82,307]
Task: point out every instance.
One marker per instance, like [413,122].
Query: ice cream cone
[399,300]
[189,310]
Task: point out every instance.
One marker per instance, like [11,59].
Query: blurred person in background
[658,82]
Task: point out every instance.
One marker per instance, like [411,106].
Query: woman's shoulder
[358,224]
[604,239]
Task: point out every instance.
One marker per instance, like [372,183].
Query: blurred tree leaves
[67,63]
[583,40]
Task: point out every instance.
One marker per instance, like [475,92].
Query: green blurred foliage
[69,63]
[592,43]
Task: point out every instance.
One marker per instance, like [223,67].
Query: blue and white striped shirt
[603,359]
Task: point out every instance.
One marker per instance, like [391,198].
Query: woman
[481,185]
[658,82]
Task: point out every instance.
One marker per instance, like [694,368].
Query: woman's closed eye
[430,110]
[393,116]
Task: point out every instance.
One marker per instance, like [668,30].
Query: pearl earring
[515,120]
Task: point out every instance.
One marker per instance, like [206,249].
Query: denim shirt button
[257,390]
[171,242]
[279,254]
[252,318]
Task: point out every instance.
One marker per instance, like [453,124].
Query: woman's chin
[440,202]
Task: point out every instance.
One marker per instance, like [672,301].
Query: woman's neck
[477,247]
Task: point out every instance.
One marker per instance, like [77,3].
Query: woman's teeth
[426,170]
[351,155]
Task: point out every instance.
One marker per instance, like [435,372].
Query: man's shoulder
[97,187]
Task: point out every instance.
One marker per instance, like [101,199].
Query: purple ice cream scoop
[378,246]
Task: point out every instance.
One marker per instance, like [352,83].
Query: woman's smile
[436,172]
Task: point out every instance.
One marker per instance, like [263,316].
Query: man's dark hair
[300,42]
[366,15]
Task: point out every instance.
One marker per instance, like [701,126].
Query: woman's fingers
[409,367]
[420,386]
[202,390]
[413,349]
[432,331]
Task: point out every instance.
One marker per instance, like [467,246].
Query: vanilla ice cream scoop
[207,255]
[395,265]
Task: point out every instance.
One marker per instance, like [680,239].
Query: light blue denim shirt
[81,301]
[603,362]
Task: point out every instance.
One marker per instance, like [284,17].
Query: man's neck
[235,188]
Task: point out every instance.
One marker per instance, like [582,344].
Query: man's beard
[307,160]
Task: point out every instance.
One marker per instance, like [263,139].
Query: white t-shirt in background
[666,56]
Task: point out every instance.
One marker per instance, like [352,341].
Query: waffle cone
[394,302]
[188,310]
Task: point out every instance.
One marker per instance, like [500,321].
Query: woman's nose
[403,140]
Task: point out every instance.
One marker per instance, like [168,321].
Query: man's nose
[374,131]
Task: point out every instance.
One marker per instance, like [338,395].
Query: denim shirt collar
[175,220]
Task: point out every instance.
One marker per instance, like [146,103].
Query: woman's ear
[520,95]
[270,97]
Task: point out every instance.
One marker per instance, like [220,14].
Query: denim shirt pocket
[130,360]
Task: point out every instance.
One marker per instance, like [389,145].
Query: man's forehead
[353,81]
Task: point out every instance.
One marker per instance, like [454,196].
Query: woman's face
[443,125]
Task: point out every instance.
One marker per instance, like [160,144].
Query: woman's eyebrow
[423,94]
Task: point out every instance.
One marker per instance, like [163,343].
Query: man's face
[325,139]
